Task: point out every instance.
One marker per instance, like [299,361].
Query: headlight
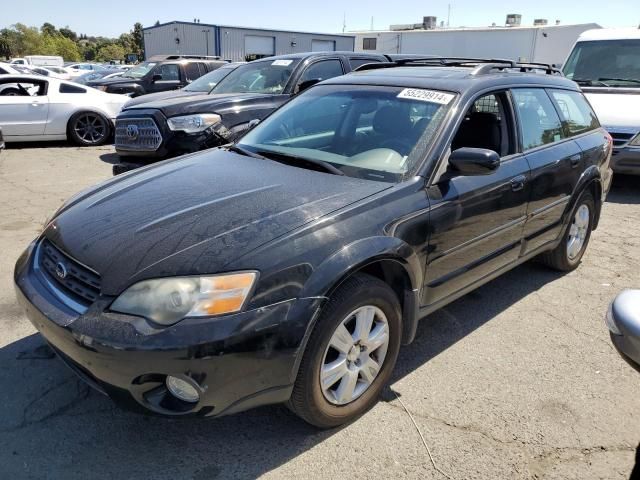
[102,88]
[610,322]
[169,300]
[635,141]
[193,123]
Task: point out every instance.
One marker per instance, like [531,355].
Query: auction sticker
[281,63]
[426,95]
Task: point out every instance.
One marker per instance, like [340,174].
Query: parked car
[249,93]
[6,68]
[606,64]
[55,72]
[39,61]
[37,108]
[78,69]
[159,74]
[201,86]
[623,322]
[1,140]
[291,265]
[89,76]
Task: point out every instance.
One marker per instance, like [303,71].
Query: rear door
[24,105]
[477,221]
[555,160]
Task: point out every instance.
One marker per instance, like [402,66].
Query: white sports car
[36,108]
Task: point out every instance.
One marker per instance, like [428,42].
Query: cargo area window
[577,115]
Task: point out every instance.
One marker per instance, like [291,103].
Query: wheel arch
[589,181]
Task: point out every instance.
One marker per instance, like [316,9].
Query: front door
[477,221]
[25,107]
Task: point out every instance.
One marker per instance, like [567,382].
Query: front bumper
[626,160]
[240,361]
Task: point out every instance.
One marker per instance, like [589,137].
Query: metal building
[236,43]
[537,43]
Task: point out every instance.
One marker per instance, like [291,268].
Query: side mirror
[302,86]
[156,77]
[474,161]
[253,123]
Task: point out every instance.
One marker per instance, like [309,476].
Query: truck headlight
[193,123]
[169,300]
[102,88]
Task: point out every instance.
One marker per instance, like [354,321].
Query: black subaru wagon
[292,265]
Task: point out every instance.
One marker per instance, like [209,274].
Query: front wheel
[350,355]
[89,129]
[567,255]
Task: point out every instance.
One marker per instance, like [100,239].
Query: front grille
[620,139]
[80,283]
[139,134]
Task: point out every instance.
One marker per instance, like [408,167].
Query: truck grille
[620,139]
[139,134]
[73,279]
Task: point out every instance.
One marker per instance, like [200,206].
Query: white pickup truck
[606,65]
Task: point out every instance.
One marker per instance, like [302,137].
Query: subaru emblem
[61,271]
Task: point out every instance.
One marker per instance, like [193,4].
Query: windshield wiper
[630,80]
[243,151]
[286,158]
[591,83]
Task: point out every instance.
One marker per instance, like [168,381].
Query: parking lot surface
[515,380]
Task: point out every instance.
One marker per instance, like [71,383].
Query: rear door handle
[575,160]
[517,183]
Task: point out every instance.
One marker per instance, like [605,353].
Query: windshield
[605,63]
[270,76]
[206,82]
[365,132]
[140,71]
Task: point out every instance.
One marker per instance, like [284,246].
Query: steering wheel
[403,147]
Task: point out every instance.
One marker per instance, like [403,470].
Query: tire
[89,129]
[568,254]
[11,92]
[358,298]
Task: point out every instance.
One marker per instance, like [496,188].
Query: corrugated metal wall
[161,40]
[232,41]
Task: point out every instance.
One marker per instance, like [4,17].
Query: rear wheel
[350,355]
[89,129]
[567,255]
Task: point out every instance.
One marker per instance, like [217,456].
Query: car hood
[194,215]
[209,103]
[154,97]
[616,109]
[112,81]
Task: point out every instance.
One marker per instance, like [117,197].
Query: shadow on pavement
[52,425]
[625,189]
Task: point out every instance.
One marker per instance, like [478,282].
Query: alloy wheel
[578,232]
[91,128]
[355,355]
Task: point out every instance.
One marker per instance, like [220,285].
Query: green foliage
[19,40]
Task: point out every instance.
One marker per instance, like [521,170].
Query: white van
[39,61]
[606,65]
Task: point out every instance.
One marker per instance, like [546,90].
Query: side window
[322,70]
[66,88]
[191,71]
[539,121]
[486,125]
[577,115]
[325,119]
[356,62]
[169,71]
[203,68]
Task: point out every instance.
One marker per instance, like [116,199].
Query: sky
[113,17]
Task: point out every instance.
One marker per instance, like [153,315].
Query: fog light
[182,389]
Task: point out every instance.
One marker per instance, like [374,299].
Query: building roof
[479,29]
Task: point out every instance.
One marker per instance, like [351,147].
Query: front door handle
[575,160]
[517,183]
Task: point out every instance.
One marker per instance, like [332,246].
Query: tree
[68,33]
[110,52]
[138,39]
[48,29]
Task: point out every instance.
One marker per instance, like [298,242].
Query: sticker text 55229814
[432,96]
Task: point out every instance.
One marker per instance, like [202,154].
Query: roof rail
[482,65]
[179,57]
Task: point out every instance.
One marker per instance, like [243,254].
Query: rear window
[539,121]
[66,88]
[192,71]
[577,115]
